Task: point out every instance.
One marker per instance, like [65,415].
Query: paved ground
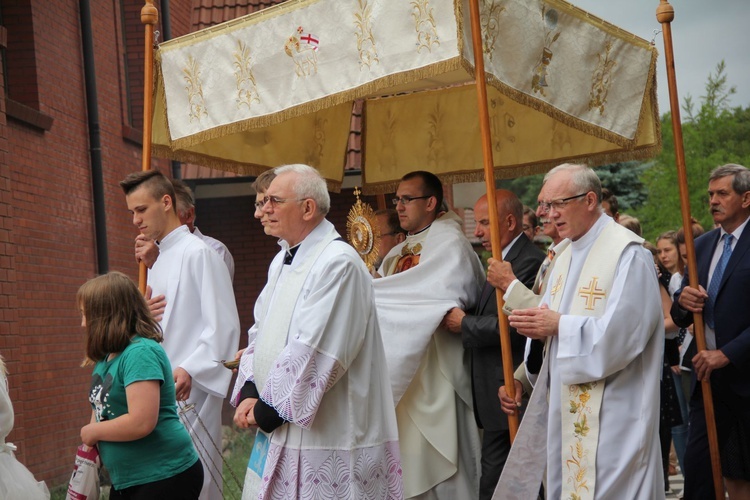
[676,485]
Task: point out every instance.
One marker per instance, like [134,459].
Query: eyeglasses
[408,199]
[274,201]
[545,206]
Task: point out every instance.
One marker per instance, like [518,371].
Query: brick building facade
[48,239]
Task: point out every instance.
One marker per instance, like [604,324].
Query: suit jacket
[731,309]
[480,333]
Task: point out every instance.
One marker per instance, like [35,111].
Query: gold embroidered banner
[277,87]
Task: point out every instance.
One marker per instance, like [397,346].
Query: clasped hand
[535,323]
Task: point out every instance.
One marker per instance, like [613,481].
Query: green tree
[713,134]
[624,179]
[526,188]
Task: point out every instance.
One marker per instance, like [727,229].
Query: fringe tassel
[239,168]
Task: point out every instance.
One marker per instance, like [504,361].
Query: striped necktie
[537,288]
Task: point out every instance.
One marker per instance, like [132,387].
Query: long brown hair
[115,311]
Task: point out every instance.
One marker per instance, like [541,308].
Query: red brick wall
[47,238]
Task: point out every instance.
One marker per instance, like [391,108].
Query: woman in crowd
[134,422]
[681,372]
[670,265]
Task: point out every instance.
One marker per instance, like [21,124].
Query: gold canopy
[277,87]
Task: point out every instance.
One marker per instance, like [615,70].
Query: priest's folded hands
[244,416]
[536,322]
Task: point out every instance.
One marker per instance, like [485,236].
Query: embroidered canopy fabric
[277,87]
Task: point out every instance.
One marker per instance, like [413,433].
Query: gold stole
[581,403]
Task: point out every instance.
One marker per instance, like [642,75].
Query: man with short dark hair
[147,251]
[480,332]
[200,320]
[432,271]
[723,257]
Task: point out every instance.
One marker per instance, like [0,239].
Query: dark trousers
[184,486]
[699,481]
[495,449]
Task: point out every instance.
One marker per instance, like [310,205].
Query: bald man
[480,335]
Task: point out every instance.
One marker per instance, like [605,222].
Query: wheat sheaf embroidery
[602,79]
[368,53]
[424,24]
[194,88]
[490,21]
[247,91]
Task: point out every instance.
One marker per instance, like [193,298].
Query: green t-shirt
[168,450]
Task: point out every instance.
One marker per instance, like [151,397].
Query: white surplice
[623,347]
[429,372]
[201,326]
[330,380]
[220,248]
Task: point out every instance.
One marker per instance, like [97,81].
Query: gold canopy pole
[149,18]
[665,15]
[489,179]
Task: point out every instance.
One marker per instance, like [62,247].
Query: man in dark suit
[724,299]
[479,331]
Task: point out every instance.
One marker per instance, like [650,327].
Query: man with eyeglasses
[432,271]
[480,332]
[594,412]
[314,378]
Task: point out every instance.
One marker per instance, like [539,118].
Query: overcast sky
[703,33]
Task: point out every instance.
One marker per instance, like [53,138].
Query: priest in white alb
[200,321]
[431,272]
[314,380]
[593,417]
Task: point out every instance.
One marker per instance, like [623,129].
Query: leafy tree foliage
[625,181]
[713,134]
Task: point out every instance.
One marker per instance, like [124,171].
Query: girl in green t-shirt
[134,423]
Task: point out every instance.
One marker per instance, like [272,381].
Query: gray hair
[309,184]
[741,180]
[583,178]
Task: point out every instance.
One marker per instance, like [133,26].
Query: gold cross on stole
[557,286]
[592,293]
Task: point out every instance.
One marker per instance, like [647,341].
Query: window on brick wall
[19,64]
[133,55]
